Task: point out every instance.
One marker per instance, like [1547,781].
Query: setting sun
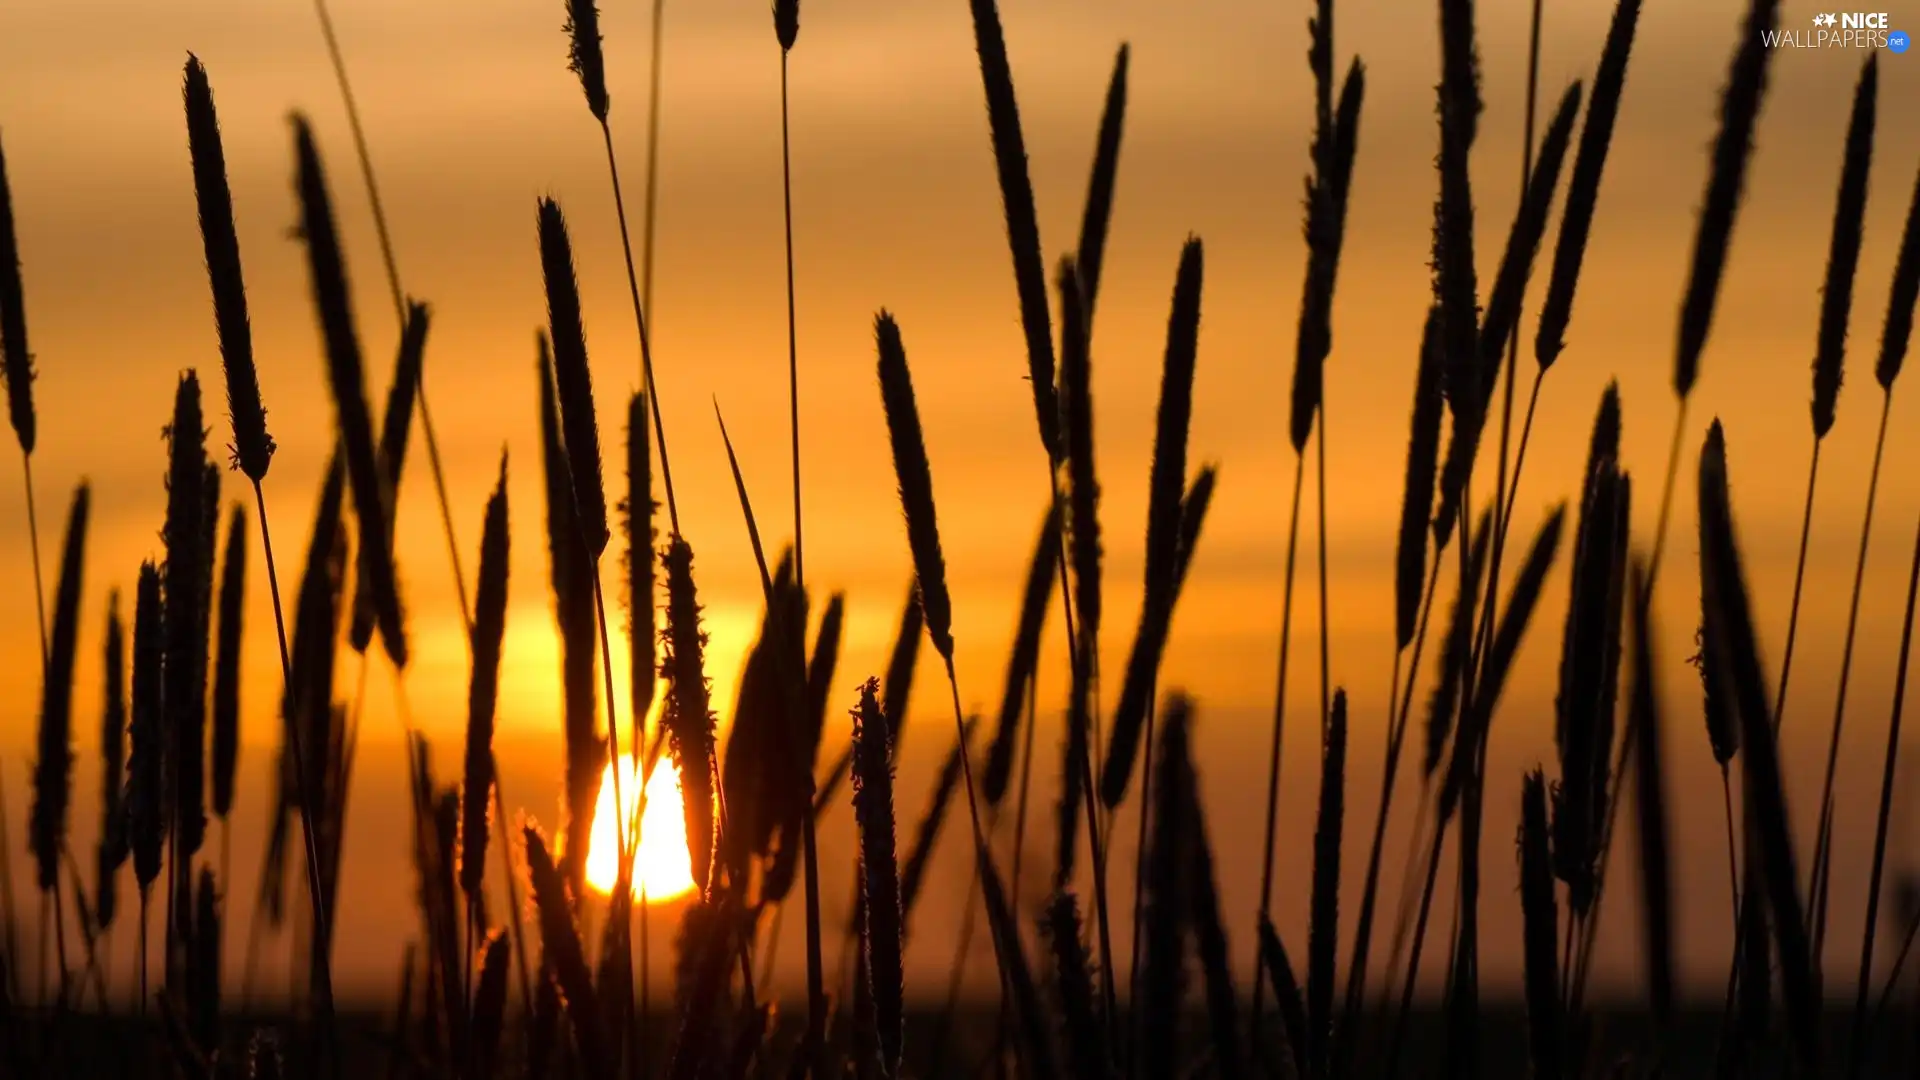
[662,868]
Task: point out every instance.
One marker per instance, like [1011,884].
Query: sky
[471,116]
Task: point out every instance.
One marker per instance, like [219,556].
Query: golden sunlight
[662,868]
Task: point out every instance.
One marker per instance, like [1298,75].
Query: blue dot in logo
[1898,41]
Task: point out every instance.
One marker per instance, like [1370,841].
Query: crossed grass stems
[751,819]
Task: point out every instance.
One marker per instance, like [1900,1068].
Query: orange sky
[472,115]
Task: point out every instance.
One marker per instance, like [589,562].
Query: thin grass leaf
[1210,941]
[1286,993]
[252,447]
[1028,1014]
[1024,657]
[1518,612]
[1323,929]
[1444,706]
[1650,806]
[1162,961]
[927,834]
[1733,638]
[396,422]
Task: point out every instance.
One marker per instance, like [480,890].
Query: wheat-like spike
[1523,244]
[786,23]
[1024,658]
[483,690]
[1210,937]
[146,732]
[1583,188]
[1445,706]
[1091,253]
[689,715]
[1540,933]
[1168,477]
[1732,149]
[1514,617]
[1323,929]
[561,941]
[188,573]
[1843,252]
[1075,285]
[1023,228]
[572,582]
[1416,505]
[347,382]
[112,850]
[572,377]
[583,55]
[16,362]
[203,967]
[1073,982]
[490,1004]
[915,478]
[881,928]
[1902,297]
[1733,638]
[226,671]
[396,423]
[53,769]
[252,446]
[642,604]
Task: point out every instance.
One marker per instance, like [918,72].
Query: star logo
[1824,20]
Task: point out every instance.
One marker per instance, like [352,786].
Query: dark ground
[92,1046]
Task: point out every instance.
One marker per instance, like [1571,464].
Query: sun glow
[662,867]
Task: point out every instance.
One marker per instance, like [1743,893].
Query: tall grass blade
[1023,229]
[1163,523]
[252,446]
[346,380]
[1733,638]
[53,767]
[395,424]
[1323,929]
[1024,658]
